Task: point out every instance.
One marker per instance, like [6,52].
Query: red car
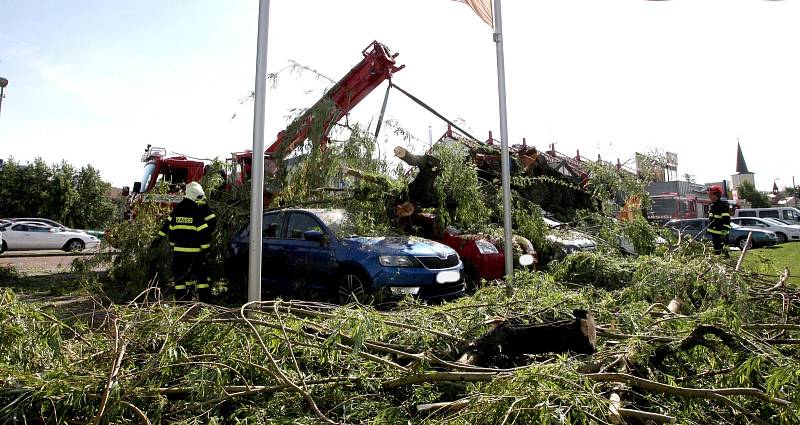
[481,254]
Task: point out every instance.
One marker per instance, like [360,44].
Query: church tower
[742,173]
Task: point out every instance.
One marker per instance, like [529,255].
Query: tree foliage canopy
[749,193]
[75,197]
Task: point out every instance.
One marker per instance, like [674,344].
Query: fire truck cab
[175,171]
[669,206]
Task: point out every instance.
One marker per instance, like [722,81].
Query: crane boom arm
[377,66]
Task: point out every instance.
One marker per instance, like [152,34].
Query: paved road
[36,262]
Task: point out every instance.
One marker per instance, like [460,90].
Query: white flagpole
[257,175]
[504,157]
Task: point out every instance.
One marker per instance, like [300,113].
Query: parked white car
[785,232]
[26,236]
[46,221]
[788,215]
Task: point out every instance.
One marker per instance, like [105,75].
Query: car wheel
[3,247]
[74,245]
[351,289]
[742,243]
[470,277]
[782,238]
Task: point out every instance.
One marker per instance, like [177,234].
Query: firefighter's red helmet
[715,189]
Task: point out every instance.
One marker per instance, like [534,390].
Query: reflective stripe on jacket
[719,216]
[189,226]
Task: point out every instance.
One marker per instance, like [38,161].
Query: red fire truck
[668,206]
[377,66]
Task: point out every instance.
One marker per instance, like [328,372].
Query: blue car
[316,251]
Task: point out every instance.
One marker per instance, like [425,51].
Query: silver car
[568,240]
[785,232]
[27,236]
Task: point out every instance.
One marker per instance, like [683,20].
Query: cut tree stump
[507,344]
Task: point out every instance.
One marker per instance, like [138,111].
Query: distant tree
[23,188]
[96,208]
[756,199]
[789,191]
[9,188]
[59,192]
[62,197]
[689,178]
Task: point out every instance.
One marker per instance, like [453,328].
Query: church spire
[741,166]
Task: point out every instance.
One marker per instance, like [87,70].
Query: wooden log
[617,413]
[508,343]
[421,190]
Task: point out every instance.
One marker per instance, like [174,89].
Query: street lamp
[3,84]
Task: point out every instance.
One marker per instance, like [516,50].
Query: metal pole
[3,84]
[795,192]
[504,157]
[257,188]
[383,111]
[433,111]
[430,137]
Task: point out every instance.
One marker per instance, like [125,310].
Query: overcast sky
[93,82]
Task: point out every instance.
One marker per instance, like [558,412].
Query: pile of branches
[686,339]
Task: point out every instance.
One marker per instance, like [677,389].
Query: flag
[483,8]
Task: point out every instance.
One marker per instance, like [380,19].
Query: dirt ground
[40,262]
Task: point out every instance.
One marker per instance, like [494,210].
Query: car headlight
[397,261]
[485,247]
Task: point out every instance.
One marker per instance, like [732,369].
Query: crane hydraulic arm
[378,65]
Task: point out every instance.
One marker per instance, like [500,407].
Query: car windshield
[44,221]
[774,222]
[664,206]
[148,172]
[338,221]
[791,215]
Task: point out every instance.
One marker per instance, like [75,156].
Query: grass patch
[772,260]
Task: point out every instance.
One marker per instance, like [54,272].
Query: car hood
[754,229]
[399,245]
[570,237]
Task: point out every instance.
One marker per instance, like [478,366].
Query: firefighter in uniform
[189,228]
[719,219]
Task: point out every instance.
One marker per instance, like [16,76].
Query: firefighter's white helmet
[194,191]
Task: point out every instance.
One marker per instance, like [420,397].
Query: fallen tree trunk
[421,191]
[507,343]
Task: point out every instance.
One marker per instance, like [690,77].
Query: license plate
[448,276]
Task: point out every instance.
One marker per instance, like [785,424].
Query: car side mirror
[137,187]
[314,236]
[126,190]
